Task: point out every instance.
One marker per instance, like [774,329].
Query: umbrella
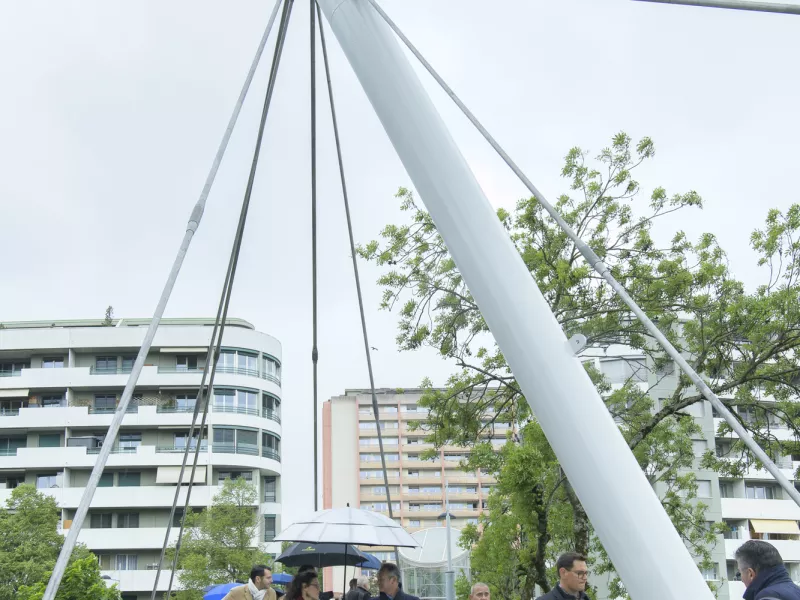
[348,526]
[373,562]
[321,555]
[281,578]
[218,592]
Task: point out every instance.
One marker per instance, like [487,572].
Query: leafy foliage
[218,543]
[746,343]
[29,546]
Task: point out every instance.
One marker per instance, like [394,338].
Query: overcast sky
[111,112]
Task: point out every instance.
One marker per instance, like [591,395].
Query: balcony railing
[251,449]
[10,373]
[242,410]
[9,412]
[272,415]
[115,450]
[175,409]
[180,449]
[108,410]
[225,370]
[172,370]
[110,370]
[8,451]
[270,453]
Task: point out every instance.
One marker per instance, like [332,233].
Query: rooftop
[196,322]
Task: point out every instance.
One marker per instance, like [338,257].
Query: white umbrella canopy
[348,526]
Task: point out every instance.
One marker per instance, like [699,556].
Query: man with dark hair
[763,573]
[572,576]
[258,587]
[359,589]
[389,584]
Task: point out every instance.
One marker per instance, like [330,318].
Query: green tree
[29,546]
[745,342]
[218,543]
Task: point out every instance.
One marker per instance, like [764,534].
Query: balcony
[141,580]
[270,453]
[239,410]
[249,449]
[110,410]
[223,370]
[180,449]
[272,415]
[110,370]
[117,450]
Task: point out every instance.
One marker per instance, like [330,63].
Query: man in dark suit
[389,584]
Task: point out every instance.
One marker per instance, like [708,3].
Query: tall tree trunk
[542,539]
[580,521]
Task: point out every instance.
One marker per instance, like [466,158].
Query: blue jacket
[773,583]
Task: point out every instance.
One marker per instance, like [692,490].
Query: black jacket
[358,593]
[773,584]
[558,594]
[401,595]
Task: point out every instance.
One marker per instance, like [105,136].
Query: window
[734,531]
[246,438]
[100,521]
[106,480]
[47,481]
[367,425]
[127,363]
[248,402]
[711,574]
[703,488]
[379,491]
[409,408]
[186,363]
[227,361]
[223,475]
[270,445]
[224,436]
[413,523]
[105,402]
[271,406]
[272,369]
[224,400]
[666,369]
[9,445]
[176,521]
[699,447]
[621,370]
[129,520]
[185,402]
[133,479]
[726,489]
[52,400]
[49,440]
[13,368]
[130,441]
[270,489]
[105,364]
[126,562]
[105,561]
[723,448]
[181,439]
[762,491]
[53,363]
[248,363]
[269,527]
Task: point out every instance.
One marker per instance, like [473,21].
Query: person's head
[572,572]
[304,586]
[363,582]
[353,583]
[306,569]
[389,579]
[479,591]
[261,576]
[755,556]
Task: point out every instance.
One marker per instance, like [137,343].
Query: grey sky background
[110,115]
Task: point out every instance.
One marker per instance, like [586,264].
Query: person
[479,591]
[389,584]
[304,586]
[306,569]
[258,587]
[763,573]
[359,589]
[572,577]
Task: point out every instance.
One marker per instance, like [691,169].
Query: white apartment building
[60,383]
[754,507]
[352,471]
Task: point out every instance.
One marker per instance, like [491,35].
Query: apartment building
[753,507]
[60,383]
[352,472]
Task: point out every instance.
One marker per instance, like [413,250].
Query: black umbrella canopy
[322,555]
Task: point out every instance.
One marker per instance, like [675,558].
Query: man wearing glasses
[572,576]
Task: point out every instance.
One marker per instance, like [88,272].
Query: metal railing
[117,450]
[176,449]
[10,373]
[110,370]
[175,409]
[108,410]
[8,451]
[272,378]
[270,453]
[242,410]
[272,415]
[238,371]
[172,370]
[9,412]
[251,449]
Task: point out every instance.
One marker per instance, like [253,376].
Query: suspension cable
[203,396]
[314,349]
[279,44]
[603,270]
[191,227]
[355,261]
[768,7]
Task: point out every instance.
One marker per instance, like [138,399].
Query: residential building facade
[352,472]
[60,384]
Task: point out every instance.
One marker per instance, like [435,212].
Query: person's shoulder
[551,595]
[409,597]
[236,593]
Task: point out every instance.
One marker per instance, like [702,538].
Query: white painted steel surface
[611,486]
